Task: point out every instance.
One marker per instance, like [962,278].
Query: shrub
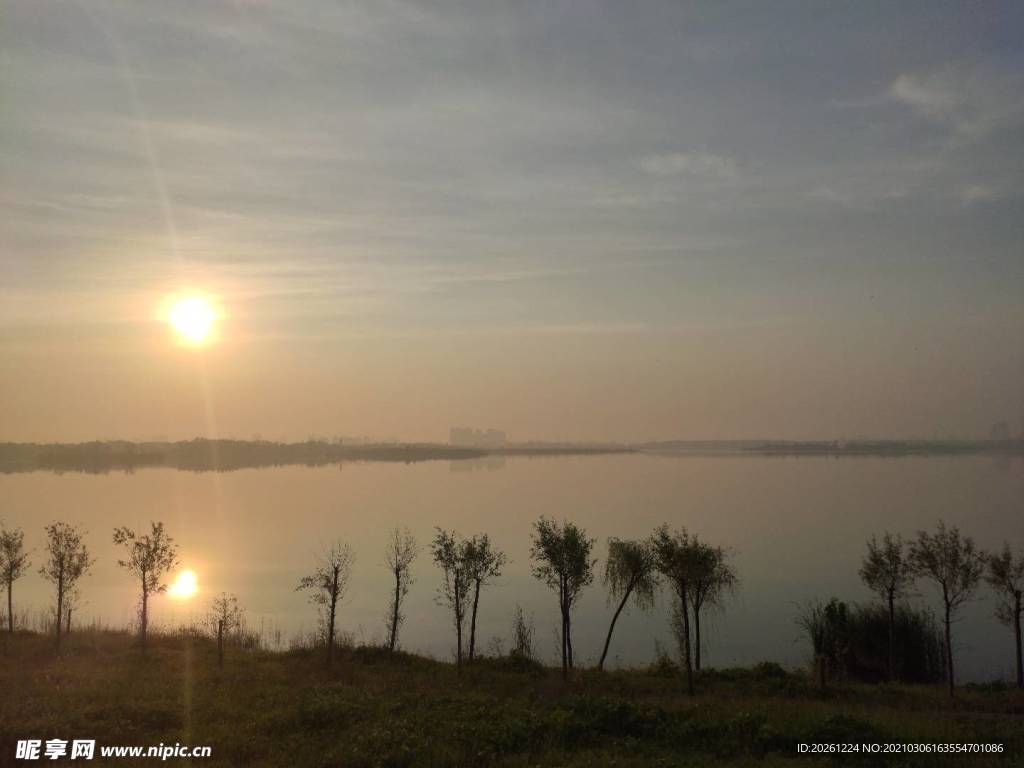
[589,717]
[520,662]
[663,665]
[769,670]
[919,649]
[523,632]
[852,642]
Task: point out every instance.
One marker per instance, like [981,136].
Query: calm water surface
[797,527]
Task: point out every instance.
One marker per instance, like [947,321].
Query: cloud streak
[701,165]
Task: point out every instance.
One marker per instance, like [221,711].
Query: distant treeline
[857,447]
[893,447]
[203,455]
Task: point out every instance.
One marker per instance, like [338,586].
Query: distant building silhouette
[468,437]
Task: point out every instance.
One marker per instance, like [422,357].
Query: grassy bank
[378,709]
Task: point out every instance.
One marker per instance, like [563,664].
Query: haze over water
[797,527]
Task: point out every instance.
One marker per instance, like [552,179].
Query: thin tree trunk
[60,602]
[144,616]
[458,631]
[565,614]
[330,622]
[565,644]
[220,642]
[568,636]
[822,676]
[393,640]
[696,636]
[686,642]
[1016,627]
[611,627]
[67,624]
[472,623]
[10,615]
[949,653]
[892,637]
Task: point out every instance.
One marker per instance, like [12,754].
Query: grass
[374,708]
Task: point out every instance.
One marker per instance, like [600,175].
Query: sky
[568,220]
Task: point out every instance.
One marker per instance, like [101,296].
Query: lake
[796,525]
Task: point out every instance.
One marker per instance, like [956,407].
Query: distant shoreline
[203,455]
[866,447]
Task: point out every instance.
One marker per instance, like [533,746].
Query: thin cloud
[702,165]
[931,99]
[697,164]
[973,101]
[977,193]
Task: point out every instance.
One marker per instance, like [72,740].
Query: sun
[193,318]
[185,586]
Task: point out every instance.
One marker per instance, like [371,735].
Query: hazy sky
[564,219]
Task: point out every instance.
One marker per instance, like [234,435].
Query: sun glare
[193,318]
[184,586]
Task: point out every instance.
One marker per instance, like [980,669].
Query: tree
[1006,576]
[628,572]
[67,560]
[887,571]
[562,557]
[149,559]
[327,585]
[675,558]
[401,551]
[449,554]
[225,616]
[13,564]
[483,564]
[956,566]
[827,627]
[713,578]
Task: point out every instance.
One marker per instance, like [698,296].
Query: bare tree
[13,564]
[327,585]
[401,552]
[1006,576]
[484,564]
[713,578]
[675,557]
[67,560]
[449,554]
[562,556]
[887,571]
[956,566]
[149,559]
[628,572]
[225,616]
